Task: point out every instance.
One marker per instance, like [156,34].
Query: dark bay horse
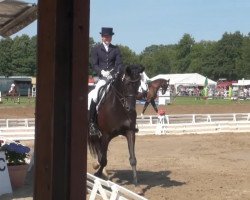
[117,116]
[151,95]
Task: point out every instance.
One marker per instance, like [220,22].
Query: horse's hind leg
[145,107]
[131,147]
[154,105]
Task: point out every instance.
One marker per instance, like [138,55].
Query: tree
[23,55]
[6,68]
[184,48]
[128,56]
[243,64]
[157,59]
[228,53]
[91,45]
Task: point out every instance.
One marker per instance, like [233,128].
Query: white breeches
[143,86]
[93,94]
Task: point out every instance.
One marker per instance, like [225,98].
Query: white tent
[242,82]
[189,79]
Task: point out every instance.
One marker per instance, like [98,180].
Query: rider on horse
[144,83]
[106,62]
[12,87]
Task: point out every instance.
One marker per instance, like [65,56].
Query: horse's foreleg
[145,107]
[132,159]
[102,158]
[154,105]
[96,166]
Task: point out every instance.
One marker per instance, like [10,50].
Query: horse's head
[131,83]
[164,85]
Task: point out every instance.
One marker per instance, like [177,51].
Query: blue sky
[141,23]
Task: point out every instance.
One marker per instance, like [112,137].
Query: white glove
[105,73]
[109,77]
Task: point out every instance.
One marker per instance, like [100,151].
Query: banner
[5,186]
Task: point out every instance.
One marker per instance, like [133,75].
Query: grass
[194,101]
[23,101]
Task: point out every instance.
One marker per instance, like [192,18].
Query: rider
[12,87]
[144,80]
[106,61]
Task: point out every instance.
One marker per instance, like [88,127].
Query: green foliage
[243,64]
[16,153]
[24,102]
[227,58]
[128,56]
[228,53]
[158,59]
[6,68]
[18,56]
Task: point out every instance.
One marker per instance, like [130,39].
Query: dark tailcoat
[103,60]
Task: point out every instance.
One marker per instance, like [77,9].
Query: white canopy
[242,83]
[189,79]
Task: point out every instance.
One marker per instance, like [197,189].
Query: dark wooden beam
[61,106]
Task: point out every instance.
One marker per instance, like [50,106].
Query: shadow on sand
[146,179]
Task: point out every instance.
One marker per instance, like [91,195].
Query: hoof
[97,175]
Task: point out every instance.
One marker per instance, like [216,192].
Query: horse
[117,116]
[13,94]
[151,94]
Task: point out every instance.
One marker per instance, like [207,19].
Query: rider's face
[106,39]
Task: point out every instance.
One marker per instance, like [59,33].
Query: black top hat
[107,31]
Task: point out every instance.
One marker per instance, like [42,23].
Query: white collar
[105,46]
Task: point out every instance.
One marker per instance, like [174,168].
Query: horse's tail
[94,144]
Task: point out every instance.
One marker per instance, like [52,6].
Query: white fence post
[209,118]
[234,117]
[193,119]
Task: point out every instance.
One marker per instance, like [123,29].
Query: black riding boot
[93,128]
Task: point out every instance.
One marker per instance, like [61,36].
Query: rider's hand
[105,73]
[109,77]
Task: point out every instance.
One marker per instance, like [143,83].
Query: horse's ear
[141,68]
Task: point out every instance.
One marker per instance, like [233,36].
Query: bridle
[122,96]
[164,86]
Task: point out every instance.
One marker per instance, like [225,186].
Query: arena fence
[23,129]
[17,129]
[194,123]
[107,190]
[98,188]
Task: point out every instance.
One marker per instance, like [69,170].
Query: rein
[131,81]
[122,98]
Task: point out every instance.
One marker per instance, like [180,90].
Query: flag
[206,82]
[205,88]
